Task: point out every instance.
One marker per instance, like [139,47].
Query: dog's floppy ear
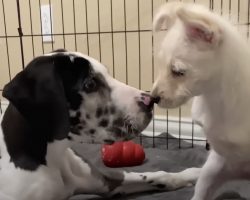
[199,26]
[37,93]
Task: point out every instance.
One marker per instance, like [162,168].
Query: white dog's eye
[177,72]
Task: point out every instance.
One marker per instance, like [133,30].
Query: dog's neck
[230,91]
[56,152]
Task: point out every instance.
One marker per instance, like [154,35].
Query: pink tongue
[146,100]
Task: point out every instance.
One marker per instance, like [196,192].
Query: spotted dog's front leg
[86,178]
[148,181]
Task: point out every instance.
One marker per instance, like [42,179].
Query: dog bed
[171,160]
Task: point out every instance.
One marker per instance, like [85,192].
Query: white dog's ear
[200,27]
[160,21]
[166,16]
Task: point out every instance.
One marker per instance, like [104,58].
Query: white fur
[218,75]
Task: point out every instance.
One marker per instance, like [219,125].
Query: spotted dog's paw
[171,181]
[156,179]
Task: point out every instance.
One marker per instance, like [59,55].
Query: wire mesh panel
[118,33]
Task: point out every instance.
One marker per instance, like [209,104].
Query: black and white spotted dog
[62,98]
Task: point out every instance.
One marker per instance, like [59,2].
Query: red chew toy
[122,154]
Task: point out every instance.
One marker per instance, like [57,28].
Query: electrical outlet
[47,23]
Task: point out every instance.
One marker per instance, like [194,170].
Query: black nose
[146,102]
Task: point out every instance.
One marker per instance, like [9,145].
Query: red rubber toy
[122,154]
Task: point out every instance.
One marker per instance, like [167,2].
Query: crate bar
[50,13]
[230,8]
[99,30]
[192,145]
[167,129]
[139,49]
[211,4]
[74,23]
[20,32]
[112,37]
[139,42]
[221,7]
[31,30]
[152,40]
[238,16]
[87,27]
[82,33]
[1,111]
[248,13]
[41,26]
[126,45]
[63,34]
[6,40]
[179,127]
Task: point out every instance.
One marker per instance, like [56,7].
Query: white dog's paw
[172,181]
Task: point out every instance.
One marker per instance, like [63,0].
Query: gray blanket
[171,160]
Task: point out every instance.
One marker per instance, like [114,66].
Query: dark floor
[171,160]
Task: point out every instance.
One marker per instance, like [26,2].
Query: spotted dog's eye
[90,85]
[177,72]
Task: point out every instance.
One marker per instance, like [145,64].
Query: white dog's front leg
[213,174]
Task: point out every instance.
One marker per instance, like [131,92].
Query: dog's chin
[171,104]
[112,141]
[133,130]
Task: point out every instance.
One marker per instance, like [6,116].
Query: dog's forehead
[96,65]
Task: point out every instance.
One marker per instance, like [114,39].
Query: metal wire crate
[116,32]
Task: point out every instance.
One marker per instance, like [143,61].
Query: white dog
[204,57]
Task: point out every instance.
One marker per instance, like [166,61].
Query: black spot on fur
[75,130]
[119,195]
[150,182]
[207,146]
[80,127]
[75,101]
[92,131]
[87,116]
[74,120]
[78,114]
[143,176]
[103,123]
[108,141]
[106,110]
[118,122]
[112,110]
[99,112]
[69,137]
[160,186]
